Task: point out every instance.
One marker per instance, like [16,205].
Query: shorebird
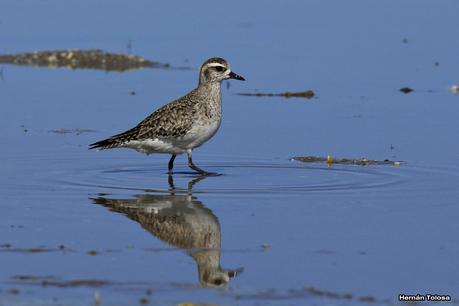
[183,124]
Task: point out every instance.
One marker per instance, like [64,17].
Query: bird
[183,124]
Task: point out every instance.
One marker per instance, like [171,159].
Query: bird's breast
[200,132]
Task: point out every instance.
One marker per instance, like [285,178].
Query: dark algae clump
[345,161]
[308,94]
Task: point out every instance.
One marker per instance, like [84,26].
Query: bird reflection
[182,221]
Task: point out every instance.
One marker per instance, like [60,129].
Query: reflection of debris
[95,283]
[406,90]
[454,89]
[52,281]
[28,250]
[24,128]
[13,291]
[436,64]
[40,249]
[405,40]
[272,294]
[81,59]
[96,298]
[325,252]
[308,94]
[129,46]
[31,277]
[330,160]
[71,131]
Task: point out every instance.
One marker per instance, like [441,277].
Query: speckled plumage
[183,124]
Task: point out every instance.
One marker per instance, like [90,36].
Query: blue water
[369,231]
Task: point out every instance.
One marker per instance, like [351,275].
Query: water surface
[78,223]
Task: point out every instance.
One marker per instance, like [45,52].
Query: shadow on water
[182,221]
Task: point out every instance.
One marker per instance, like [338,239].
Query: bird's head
[216,69]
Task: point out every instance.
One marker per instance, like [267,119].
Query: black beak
[236,76]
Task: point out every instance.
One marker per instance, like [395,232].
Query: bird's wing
[171,120]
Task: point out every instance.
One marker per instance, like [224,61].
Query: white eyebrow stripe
[215,65]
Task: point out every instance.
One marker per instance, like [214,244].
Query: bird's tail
[113,142]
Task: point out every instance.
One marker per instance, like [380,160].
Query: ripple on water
[257,177]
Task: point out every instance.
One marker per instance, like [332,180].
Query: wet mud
[81,59]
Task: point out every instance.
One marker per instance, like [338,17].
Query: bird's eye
[219,68]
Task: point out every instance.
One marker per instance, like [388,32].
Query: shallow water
[76,223]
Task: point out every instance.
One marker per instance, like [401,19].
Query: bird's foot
[201,171]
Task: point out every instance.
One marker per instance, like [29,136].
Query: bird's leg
[170,180]
[171,163]
[196,168]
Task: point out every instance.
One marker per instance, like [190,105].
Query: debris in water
[454,89]
[28,277]
[71,131]
[13,291]
[91,283]
[329,160]
[406,90]
[265,246]
[308,94]
[28,250]
[24,128]
[81,59]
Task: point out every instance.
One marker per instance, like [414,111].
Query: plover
[183,124]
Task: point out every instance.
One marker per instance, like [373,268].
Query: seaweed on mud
[81,59]
[308,94]
[345,161]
